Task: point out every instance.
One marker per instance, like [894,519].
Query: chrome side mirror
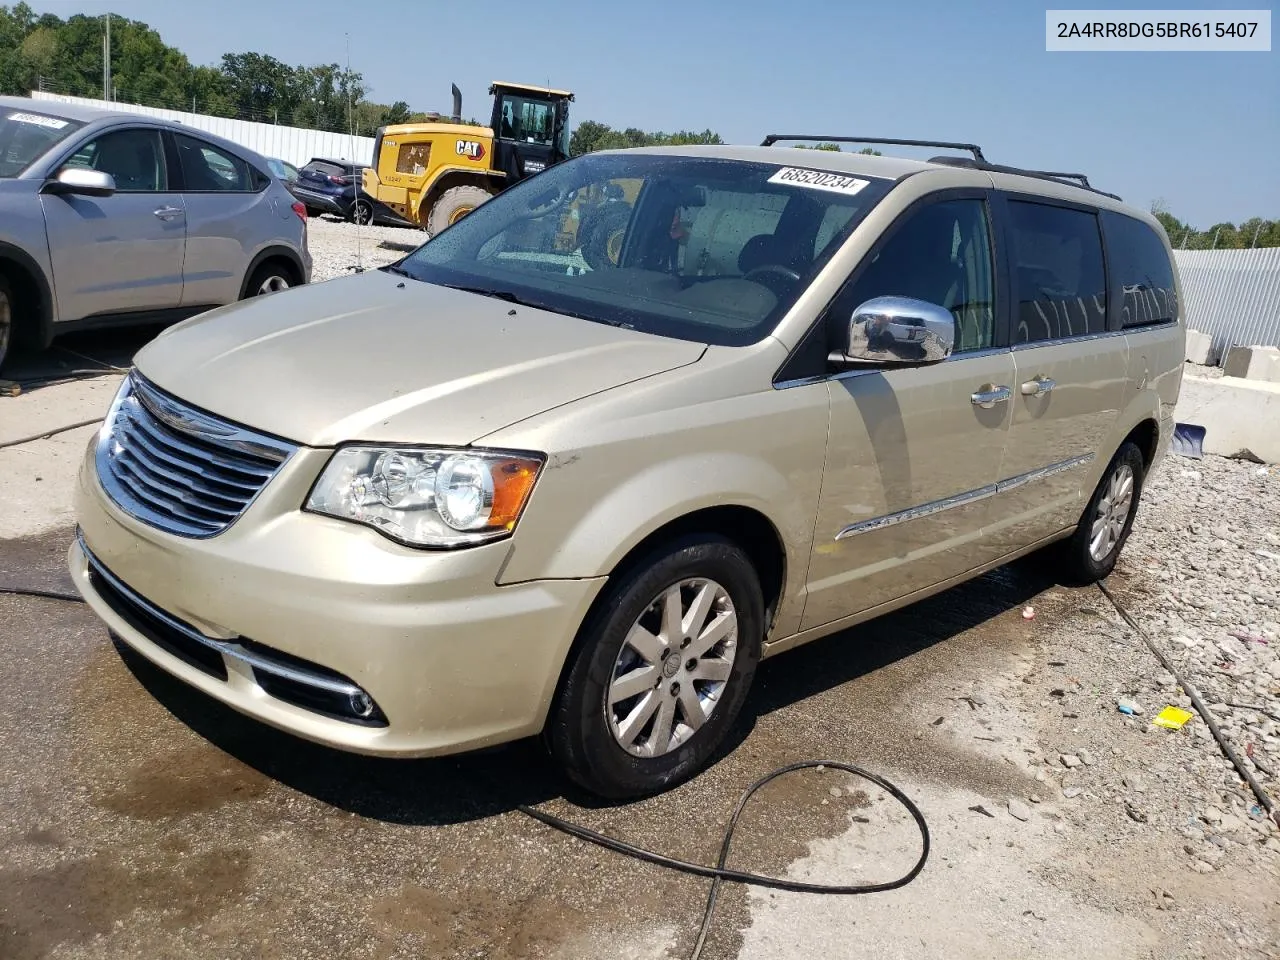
[900,330]
[83,182]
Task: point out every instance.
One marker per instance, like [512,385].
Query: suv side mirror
[83,182]
[899,330]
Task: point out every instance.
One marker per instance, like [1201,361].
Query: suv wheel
[666,661]
[6,320]
[362,212]
[1091,553]
[268,278]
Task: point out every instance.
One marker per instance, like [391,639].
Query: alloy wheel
[6,324]
[1111,513]
[273,284]
[672,669]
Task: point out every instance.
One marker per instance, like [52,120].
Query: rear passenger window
[1059,278]
[206,169]
[1139,258]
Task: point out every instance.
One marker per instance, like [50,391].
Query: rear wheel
[665,663]
[271,277]
[604,233]
[362,212]
[1091,553]
[6,320]
[454,204]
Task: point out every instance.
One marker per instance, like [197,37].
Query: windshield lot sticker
[51,122]
[818,180]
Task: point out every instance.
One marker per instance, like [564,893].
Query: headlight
[427,498]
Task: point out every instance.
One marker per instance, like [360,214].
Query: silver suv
[111,218]
[522,483]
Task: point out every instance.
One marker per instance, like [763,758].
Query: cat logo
[471,148]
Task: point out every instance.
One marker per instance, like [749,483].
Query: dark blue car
[333,186]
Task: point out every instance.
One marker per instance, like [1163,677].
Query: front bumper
[288,602]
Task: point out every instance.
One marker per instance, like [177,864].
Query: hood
[382,358]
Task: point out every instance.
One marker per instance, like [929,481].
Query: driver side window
[133,158]
[941,254]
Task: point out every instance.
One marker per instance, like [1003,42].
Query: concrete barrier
[1200,348]
[1253,363]
[1237,415]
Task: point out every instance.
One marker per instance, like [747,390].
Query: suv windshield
[27,136]
[695,248]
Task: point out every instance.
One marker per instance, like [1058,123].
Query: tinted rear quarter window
[207,169]
[1144,271]
[1058,274]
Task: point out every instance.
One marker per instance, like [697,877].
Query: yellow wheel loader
[435,173]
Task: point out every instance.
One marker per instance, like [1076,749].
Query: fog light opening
[361,704]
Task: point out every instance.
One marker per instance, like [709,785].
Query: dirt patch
[74,901]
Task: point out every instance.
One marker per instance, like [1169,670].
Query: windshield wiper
[511,297]
[497,294]
[398,271]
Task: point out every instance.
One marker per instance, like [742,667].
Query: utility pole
[351,127]
[106,62]
[1254,242]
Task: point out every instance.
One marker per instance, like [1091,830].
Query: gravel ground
[338,247]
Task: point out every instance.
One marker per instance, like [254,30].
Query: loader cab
[530,128]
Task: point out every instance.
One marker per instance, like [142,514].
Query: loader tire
[454,204]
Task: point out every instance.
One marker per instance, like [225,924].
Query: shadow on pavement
[75,356]
[486,783]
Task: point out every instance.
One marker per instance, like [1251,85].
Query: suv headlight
[426,497]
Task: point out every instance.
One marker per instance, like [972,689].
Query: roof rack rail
[973,148]
[1053,175]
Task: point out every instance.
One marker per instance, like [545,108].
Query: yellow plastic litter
[1172,717]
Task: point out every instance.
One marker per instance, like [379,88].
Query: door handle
[989,395]
[168,213]
[1038,386]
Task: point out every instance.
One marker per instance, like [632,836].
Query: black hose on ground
[48,433]
[1263,797]
[46,594]
[719,873]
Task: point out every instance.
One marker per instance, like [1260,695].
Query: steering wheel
[776,272]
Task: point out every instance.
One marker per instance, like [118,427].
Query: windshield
[526,120]
[700,249]
[27,136]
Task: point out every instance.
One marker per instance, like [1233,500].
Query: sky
[1198,132]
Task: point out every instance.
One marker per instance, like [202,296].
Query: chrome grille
[177,468]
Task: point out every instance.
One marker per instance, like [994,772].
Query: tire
[585,732]
[1086,559]
[272,277]
[454,204]
[6,320]
[604,233]
[362,212]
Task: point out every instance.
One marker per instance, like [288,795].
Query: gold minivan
[499,489]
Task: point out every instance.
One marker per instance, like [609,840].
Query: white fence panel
[1232,295]
[293,144]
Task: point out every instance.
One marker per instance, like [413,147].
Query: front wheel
[663,668]
[362,212]
[6,320]
[1091,553]
[454,204]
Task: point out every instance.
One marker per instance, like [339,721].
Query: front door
[1070,371]
[914,453]
[122,253]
